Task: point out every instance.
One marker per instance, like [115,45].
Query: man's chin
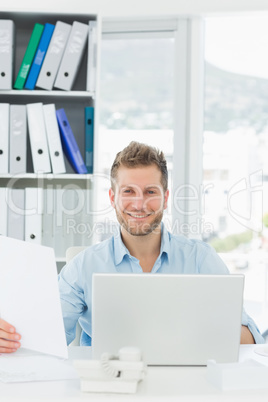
[142,231]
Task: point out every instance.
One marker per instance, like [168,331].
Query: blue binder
[39,56]
[69,143]
[89,137]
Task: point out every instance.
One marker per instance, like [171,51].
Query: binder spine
[4,137]
[38,138]
[53,56]
[92,57]
[6,53]
[72,56]
[18,139]
[54,141]
[69,143]
[33,214]
[89,138]
[29,56]
[39,56]
[3,209]
[16,211]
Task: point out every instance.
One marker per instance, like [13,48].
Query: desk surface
[187,384]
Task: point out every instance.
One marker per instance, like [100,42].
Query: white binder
[33,214]
[92,56]
[48,229]
[15,215]
[53,56]
[18,139]
[53,138]
[4,137]
[72,56]
[6,53]
[38,138]
[3,209]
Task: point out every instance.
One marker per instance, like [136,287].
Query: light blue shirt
[178,255]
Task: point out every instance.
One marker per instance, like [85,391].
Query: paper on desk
[35,368]
[29,295]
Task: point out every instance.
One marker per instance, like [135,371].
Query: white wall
[131,8]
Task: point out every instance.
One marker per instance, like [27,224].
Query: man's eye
[151,192]
[127,191]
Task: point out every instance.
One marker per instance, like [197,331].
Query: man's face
[139,199]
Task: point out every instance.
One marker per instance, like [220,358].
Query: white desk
[182,384]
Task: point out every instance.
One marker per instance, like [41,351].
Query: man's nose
[138,202]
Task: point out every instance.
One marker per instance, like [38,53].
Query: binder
[48,230]
[38,138]
[18,139]
[3,209]
[4,137]
[92,56]
[6,53]
[33,214]
[72,56]
[15,215]
[53,138]
[29,56]
[69,143]
[53,56]
[39,56]
[89,138]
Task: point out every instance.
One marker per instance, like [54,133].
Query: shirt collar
[120,249]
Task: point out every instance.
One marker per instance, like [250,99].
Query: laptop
[172,319]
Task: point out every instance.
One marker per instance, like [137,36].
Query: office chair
[70,253]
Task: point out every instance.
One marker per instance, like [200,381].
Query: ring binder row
[29,214]
[52,57]
[50,135]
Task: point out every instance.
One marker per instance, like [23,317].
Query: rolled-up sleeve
[248,322]
[72,299]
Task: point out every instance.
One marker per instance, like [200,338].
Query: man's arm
[246,335]
[8,338]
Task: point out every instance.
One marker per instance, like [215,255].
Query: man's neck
[145,248]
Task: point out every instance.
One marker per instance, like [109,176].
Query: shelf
[44,180]
[46,176]
[56,93]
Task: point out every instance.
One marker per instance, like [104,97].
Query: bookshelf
[61,193]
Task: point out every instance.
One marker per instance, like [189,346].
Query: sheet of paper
[24,368]
[29,295]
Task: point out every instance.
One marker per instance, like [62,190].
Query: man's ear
[166,195]
[111,196]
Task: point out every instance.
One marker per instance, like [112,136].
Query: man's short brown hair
[137,154]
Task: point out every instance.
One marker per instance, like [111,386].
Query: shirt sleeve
[72,298]
[248,322]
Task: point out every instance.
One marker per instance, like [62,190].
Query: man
[139,195]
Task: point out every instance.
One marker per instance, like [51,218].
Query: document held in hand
[29,296]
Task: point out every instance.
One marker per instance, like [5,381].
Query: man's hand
[246,335]
[8,338]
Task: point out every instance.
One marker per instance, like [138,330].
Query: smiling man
[139,195]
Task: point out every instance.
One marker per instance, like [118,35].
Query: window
[136,92]
[235,170]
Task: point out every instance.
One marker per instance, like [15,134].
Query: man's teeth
[138,216]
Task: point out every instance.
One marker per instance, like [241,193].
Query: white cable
[105,363]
